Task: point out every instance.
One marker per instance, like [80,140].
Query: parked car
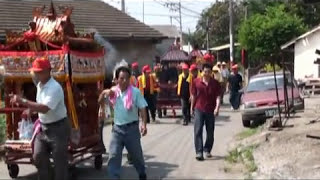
[259,99]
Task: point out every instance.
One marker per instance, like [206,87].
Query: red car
[259,99]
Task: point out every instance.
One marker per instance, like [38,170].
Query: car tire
[246,122]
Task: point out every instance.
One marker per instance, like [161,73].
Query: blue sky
[157,14]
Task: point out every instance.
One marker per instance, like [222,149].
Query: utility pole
[231,32]
[143,11]
[180,21]
[207,33]
[123,6]
[189,43]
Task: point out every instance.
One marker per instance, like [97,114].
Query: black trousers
[185,103]
[151,109]
[235,97]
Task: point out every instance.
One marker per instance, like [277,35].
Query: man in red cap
[135,69]
[234,85]
[147,84]
[55,127]
[183,91]
[194,74]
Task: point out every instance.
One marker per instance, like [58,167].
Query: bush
[2,128]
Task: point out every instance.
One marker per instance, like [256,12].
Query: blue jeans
[207,119]
[125,136]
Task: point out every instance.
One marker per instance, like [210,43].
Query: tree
[218,28]
[263,34]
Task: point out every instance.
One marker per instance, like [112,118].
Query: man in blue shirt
[126,101]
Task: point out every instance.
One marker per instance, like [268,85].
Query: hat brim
[36,69]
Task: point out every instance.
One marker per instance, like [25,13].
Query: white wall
[304,53]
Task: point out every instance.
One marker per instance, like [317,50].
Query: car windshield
[266,83]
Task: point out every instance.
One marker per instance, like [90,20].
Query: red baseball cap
[193,67]
[146,68]
[234,66]
[135,64]
[185,66]
[40,64]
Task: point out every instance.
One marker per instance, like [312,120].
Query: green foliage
[248,132]
[2,128]
[269,67]
[243,155]
[218,28]
[263,34]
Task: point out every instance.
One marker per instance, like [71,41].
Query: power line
[146,14]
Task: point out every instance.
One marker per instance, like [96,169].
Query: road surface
[168,150]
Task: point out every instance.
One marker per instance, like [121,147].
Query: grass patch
[248,132]
[243,155]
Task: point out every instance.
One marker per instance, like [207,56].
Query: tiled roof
[175,55]
[91,14]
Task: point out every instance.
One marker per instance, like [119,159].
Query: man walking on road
[205,104]
[184,92]
[126,101]
[234,85]
[147,85]
[55,128]
[225,75]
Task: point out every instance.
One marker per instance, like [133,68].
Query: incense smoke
[111,53]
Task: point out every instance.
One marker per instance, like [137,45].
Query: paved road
[168,150]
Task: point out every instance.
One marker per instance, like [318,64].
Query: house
[169,31]
[123,36]
[303,48]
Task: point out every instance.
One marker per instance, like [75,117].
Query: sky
[155,13]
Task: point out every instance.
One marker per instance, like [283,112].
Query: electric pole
[231,32]
[174,7]
[207,33]
[180,19]
[123,6]
[143,11]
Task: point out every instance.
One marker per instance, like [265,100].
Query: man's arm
[33,106]
[193,95]
[217,109]
[143,115]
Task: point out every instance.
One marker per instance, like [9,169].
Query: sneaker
[199,157]
[208,155]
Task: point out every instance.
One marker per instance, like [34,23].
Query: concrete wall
[304,56]
[131,50]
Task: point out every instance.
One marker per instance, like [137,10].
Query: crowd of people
[201,93]
[133,94]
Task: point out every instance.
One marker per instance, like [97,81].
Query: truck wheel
[13,170]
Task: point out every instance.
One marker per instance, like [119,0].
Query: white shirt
[51,94]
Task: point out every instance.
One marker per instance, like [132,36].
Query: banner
[87,67]
[17,64]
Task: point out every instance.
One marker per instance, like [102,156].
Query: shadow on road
[223,118]
[155,170]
